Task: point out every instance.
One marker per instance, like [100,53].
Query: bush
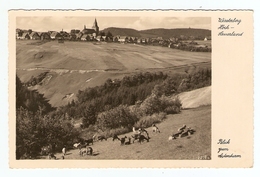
[151,105]
[149,120]
[117,131]
[156,103]
[116,118]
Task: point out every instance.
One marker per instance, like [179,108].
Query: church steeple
[95,26]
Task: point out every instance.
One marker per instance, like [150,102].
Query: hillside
[74,66]
[159,32]
[192,147]
[122,31]
[167,33]
[196,98]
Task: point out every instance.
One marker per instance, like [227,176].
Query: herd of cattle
[140,135]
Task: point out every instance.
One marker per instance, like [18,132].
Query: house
[92,37]
[85,37]
[105,38]
[44,36]
[65,35]
[72,37]
[88,30]
[49,32]
[123,39]
[208,37]
[19,33]
[34,36]
[143,40]
[25,36]
[55,35]
[133,39]
[205,39]
[171,45]
[172,39]
[148,40]
[99,38]
[109,38]
[77,31]
[115,39]
[79,35]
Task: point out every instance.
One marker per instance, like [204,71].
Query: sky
[57,23]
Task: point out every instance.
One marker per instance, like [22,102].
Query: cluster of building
[93,34]
[85,34]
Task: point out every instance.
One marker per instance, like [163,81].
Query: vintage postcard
[130,89]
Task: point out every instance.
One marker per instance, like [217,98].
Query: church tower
[95,27]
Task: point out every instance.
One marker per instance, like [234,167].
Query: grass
[71,64]
[159,147]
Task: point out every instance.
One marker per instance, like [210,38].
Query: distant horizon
[43,24]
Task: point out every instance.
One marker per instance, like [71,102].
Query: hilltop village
[93,34]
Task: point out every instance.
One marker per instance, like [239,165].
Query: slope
[196,98]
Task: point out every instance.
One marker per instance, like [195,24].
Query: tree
[34,131]
[89,115]
[109,34]
[102,33]
[31,99]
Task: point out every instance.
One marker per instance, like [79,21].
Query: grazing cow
[81,146]
[45,150]
[89,141]
[52,156]
[182,128]
[155,128]
[89,151]
[123,140]
[191,131]
[63,151]
[76,145]
[82,151]
[140,131]
[140,138]
[178,134]
[182,133]
[128,142]
[115,137]
[101,138]
[86,151]
[171,138]
[94,137]
[188,132]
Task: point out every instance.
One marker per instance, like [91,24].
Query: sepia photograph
[95,87]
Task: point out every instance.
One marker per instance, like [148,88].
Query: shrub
[149,120]
[151,105]
[117,131]
[116,118]
[156,103]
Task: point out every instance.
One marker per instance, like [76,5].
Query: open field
[159,147]
[73,66]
